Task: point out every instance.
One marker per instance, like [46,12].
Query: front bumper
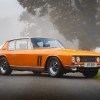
[79,67]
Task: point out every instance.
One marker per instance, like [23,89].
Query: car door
[10,53]
[24,55]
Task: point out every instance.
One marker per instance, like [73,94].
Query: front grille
[88,59]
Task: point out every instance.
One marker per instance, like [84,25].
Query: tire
[4,67]
[90,73]
[54,67]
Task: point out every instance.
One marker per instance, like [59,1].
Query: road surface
[26,86]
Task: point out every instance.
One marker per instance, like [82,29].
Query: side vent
[39,60]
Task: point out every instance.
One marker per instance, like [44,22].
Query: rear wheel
[4,67]
[90,73]
[55,68]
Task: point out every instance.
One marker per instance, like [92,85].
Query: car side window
[11,45]
[29,45]
[22,44]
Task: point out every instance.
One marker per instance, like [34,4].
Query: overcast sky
[10,26]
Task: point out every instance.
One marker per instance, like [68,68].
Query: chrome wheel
[4,67]
[55,68]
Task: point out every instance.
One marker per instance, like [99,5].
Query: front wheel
[4,67]
[55,68]
[90,73]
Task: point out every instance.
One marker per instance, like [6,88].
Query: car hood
[79,52]
[71,52]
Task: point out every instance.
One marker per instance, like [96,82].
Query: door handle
[13,55]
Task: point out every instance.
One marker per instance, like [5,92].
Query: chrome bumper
[79,68]
[73,66]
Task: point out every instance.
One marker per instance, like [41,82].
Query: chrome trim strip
[79,66]
[26,68]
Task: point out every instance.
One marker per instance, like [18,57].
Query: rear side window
[11,45]
[22,44]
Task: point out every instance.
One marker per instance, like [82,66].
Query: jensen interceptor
[46,55]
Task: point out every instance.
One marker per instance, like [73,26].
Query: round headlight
[73,59]
[78,59]
[98,59]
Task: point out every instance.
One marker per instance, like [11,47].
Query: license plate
[90,64]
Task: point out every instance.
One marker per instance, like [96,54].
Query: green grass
[98,75]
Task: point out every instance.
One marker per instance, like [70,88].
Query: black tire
[54,67]
[90,73]
[4,67]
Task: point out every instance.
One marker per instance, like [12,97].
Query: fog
[70,22]
[10,27]
[36,26]
[75,20]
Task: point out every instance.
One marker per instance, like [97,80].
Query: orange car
[46,55]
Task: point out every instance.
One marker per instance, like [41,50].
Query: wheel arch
[3,56]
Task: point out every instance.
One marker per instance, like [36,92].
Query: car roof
[19,38]
[27,38]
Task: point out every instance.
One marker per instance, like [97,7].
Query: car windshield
[46,43]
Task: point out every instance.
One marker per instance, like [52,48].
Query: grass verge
[98,75]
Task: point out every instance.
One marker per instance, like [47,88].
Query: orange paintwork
[29,57]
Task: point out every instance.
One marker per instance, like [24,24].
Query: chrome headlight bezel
[73,59]
[98,59]
[78,59]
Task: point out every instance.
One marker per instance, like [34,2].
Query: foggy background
[11,25]
[76,23]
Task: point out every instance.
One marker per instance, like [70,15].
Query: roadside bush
[98,75]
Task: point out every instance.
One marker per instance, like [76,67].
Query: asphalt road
[26,86]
